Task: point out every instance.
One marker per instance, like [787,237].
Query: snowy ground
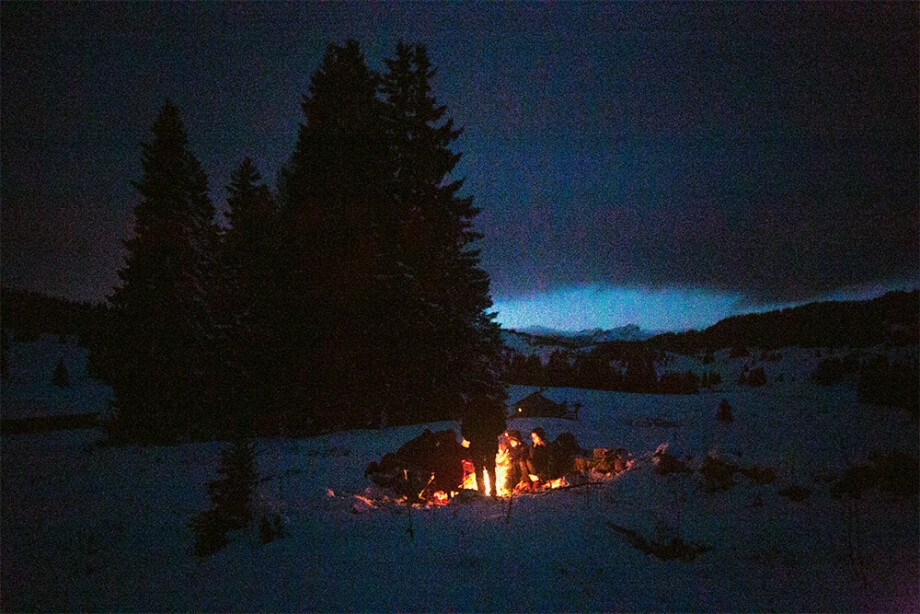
[90,527]
[28,393]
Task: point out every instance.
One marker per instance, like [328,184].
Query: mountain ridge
[892,318]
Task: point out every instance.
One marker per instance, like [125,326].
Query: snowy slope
[89,527]
[544,341]
[28,393]
[627,332]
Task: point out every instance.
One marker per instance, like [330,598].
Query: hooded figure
[538,464]
[481,426]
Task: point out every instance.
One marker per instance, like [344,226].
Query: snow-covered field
[28,393]
[89,527]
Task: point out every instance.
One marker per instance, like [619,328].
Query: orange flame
[502,468]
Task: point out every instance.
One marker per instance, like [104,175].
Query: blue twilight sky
[664,164]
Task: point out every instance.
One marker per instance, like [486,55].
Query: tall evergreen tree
[334,190]
[439,242]
[247,294]
[386,304]
[161,320]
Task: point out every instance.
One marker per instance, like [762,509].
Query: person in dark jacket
[481,426]
[518,457]
[538,464]
[562,453]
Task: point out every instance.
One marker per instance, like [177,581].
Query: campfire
[434,468]
[501,472]
[502,462]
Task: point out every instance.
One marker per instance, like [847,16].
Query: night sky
[661,164]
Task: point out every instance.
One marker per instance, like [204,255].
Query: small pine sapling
[270,527]
[60,377]
[232,494]
[231,498]
[5,345]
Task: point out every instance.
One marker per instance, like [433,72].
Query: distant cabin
[536,405]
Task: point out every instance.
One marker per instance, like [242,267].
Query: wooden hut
[536,405]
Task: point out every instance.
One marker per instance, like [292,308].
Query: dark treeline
[349,296]
[891,319]
[630,366]
[30,314]
[631,370]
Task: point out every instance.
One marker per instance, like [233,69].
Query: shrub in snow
[710,379]
[270,527]
[210,532]
[755,377]
[5,345]
[679,383]
[717,474]
[834,370]
[663,547]
[759,475]
[892,385]
[666,463]
[897,474]
[795,493]
[60,377]
[894,473]
[725,412]
[738,352]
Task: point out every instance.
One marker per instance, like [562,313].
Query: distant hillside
[892,319]
[540,338]
[630,332]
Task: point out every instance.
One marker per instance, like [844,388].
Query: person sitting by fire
[562,454]
[481,425]
[518,459]
[538,461]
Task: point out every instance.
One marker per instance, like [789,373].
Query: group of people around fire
[435,462]
[530,462]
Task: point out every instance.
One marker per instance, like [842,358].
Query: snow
[92,527]
[27,392]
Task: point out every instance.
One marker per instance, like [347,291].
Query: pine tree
[385,303]
[60,377]
[335,181]
[5,345]
[335,192]
[463,358]
[247,294]
[231,494]
[231,497]
[161,321]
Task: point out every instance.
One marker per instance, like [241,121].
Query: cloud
[603,306]
[762,152]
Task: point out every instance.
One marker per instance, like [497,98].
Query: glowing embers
[469,476]
[440,497]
